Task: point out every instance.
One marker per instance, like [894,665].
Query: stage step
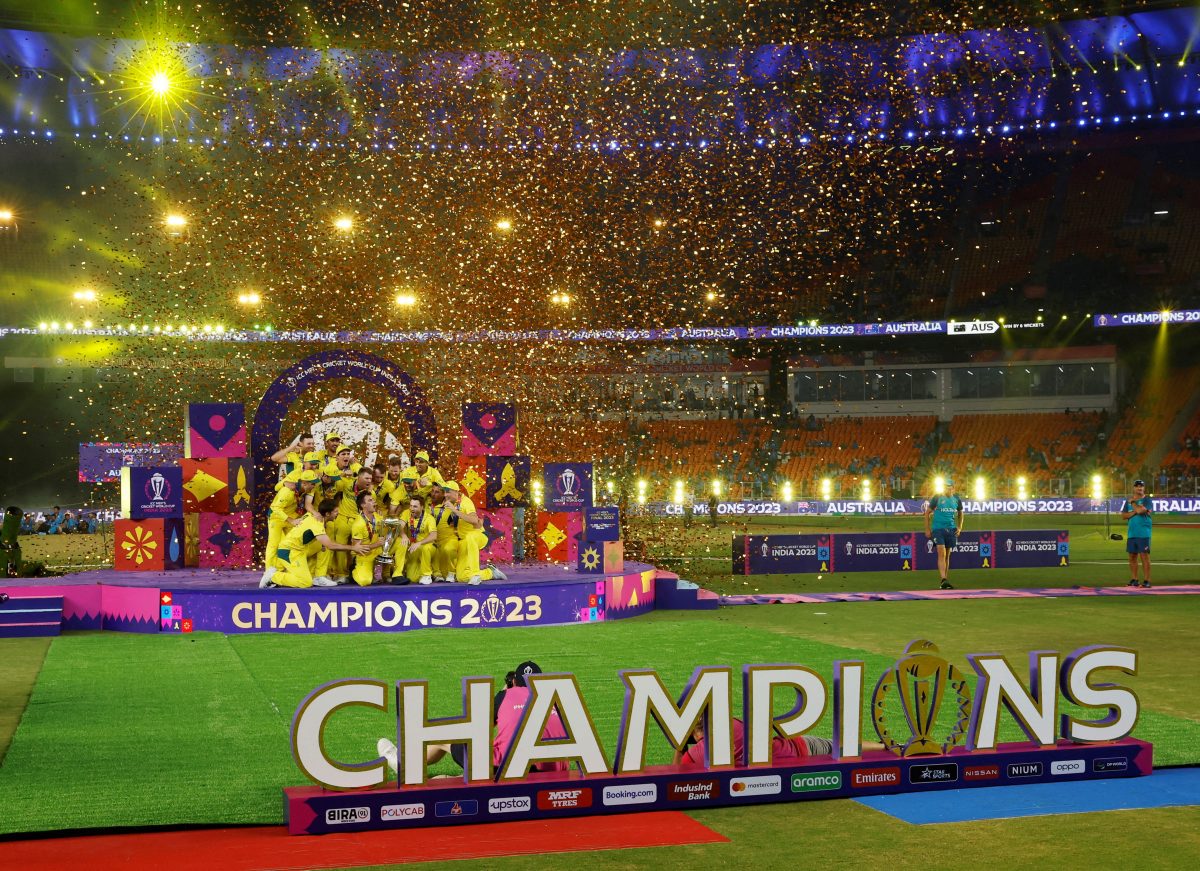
[676,594]
[31,616]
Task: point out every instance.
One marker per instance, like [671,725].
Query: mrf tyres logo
[562,799]
[693,790]
[340,816]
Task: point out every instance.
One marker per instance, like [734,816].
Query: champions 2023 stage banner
[896,552]
[887,507]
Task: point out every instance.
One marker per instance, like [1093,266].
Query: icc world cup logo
[568,483]
[492,610]
[920,680]
[158,488]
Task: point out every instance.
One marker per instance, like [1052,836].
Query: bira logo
[944,773]
[981,772]
[1025,769]
[748,787]
[561,799]
[514,804]
[867,777]
[816,781]
[339,816]
[693,790]
[402,812]
[1068,766]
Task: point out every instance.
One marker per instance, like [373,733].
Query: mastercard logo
[738,786]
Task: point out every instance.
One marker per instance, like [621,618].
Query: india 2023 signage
[919,683]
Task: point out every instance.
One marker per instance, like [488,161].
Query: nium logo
[1025,769]
[946,772]
[514,804]
[402,812]
[1110,764]
[745,787]
[981,772]
[693,790]
[462,808]
[861,777]
[635,793]
[560,799]
[816,781]
[1068,766]
[337,816]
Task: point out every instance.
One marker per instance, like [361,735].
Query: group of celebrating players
[326,523]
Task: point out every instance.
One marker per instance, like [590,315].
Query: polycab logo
[402,812]
[866,777]
[1110,764]
[1025,769]
[816,781]
[561,799]
[1068,766]
[693,790]
[338,816]
[981,772]
[464,808]
[748,787]
[944,773]
[514,804]
[635,793]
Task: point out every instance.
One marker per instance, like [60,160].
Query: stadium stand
[1003,446]
[1147,419]
[696,451]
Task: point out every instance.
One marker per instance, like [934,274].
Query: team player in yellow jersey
[347,489]
[291,457]
[471,538]
[426,475]
[300,547]
[445,555]
[365,530]
[286,510]
[417,542]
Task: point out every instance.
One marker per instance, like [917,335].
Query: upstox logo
[747,787]
[635,793]
[1068,766]
[816,781]
[338,816]
[514,804]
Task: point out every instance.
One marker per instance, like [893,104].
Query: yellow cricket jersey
[443,520]
[286,503]
[303,538]
[349,506]
[466,506]
[421,528]
[365,528]
[432,476]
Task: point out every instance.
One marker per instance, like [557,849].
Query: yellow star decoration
[591,558]
[204,485]
[139,544]
[471,482]
[552,536]
[242,495]
[508,481]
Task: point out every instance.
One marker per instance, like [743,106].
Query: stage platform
[204,600]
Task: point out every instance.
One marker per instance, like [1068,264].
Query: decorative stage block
[206,486]
[472,476]
[191,540]
[148,545]
[601,557]
[602,524]
[498,524]
[241,484]
[151,492]
[507,482]
[226,541]
[489,428]
[215,429]
[558,535]
[567,486]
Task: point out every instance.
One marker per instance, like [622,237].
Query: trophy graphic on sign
[385,565]
[568,482]
[158,487]
[920,679]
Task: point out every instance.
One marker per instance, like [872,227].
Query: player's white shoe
[497,575]
[425,580]
[388,751]
[475,581]
[323,581]
[266,578]
[451,578]
[341,579]
[438,579]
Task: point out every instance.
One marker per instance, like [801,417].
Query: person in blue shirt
[1137,535]
[943,524]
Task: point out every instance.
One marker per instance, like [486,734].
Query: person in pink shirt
[783,750]
[509,707]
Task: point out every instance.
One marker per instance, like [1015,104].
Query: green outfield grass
[703,554]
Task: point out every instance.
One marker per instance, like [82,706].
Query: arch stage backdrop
[266,437]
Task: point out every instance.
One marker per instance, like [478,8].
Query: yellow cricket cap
[312,457]
[451,485]
[309,475]
[422,455]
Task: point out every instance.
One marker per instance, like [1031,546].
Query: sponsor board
[1116,763]
[513,804]
[634,793]
[464,808]
[816,781]
[981,772]
[693,790]
[945,772]
[868,777]
[340,816]
[402,812]
[561,799]
[749,787]
[1068,766]
[1024,769]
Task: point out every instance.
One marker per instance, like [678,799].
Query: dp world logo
[492,610]
[158,488]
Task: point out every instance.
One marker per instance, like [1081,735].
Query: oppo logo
[1068,766]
